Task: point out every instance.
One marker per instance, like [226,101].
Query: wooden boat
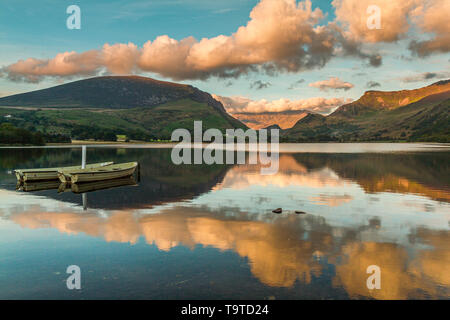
[102,185]
[63,187]
[51,173]
[39,185]
[112,171]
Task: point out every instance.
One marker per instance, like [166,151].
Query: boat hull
[40,185]
[51,173]
[36,176]
[102,185]
[99,175]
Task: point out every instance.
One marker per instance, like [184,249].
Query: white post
[84,197]
[83,166]
[83,157]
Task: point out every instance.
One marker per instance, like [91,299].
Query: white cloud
[280,36]
[332,83]
[318,105]
[400,19]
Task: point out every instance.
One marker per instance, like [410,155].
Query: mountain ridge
[121,92]
[146,109]
[139,107]
[375,99]
[406,115]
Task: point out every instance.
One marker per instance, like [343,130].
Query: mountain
[102,107]
[407,115]
[111,92]
[390,100]
[284,119]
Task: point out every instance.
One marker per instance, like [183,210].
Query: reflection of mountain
[420,173]
[408,173]
[280,250]
[290,173]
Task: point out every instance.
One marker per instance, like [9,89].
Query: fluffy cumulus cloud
[280,36]
[67,64]
[353,15]
[318,105]
[117,59]
[432,17]
[332,83]
[425,19]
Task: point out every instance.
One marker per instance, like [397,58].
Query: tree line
[10,134]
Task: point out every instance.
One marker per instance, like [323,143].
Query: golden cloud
[242,104]
[332,83]
[281,36]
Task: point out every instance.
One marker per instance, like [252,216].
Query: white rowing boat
[51,173]
[112,171]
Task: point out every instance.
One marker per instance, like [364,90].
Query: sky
[254,56]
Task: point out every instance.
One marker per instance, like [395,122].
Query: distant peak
[370,92]
[135,78]
[441,83]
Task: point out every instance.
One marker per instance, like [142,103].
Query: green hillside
[382,116]
[137,123]
[104,107]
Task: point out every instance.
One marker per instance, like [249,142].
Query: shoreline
[316,147]
[100,143]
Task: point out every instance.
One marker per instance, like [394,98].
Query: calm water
[196,232]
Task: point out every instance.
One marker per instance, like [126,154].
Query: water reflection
[405,173]
[404,275]
[280,250]
[389,210]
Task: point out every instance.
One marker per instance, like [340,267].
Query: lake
[208,231]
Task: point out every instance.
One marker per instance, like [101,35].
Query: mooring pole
[139,172]
[84,197]
[83,157]
[83,166]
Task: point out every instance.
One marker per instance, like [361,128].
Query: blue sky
[37,29]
